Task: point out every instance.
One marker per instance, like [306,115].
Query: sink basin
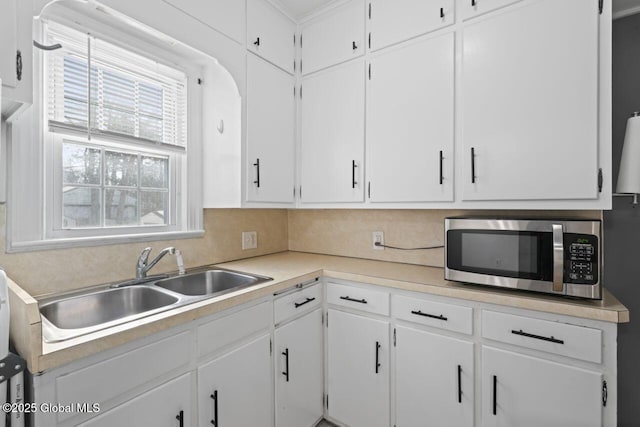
[210,282]
[103,307]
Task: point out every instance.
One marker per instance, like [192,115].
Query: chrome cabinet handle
[558,258]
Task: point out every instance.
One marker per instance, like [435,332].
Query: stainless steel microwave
[555,257]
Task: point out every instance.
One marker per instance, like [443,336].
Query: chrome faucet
[144,265]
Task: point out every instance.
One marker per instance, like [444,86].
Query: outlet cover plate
[249,240]
[378,237]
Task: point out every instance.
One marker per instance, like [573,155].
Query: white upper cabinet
[334,37]
[225,16]
[16,51]
[393,21]
[530,102]
[332,147]
[471,8]
[270,169]
[270,34]
[410,122]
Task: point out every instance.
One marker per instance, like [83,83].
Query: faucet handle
[144,257]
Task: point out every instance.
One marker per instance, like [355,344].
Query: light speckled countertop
[287,269]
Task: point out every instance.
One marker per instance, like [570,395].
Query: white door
[434,380]
[236,389]
[410,122]
[270,170]
[168,405]
[530,102]
[270,34]
[334,37]
[393,21]
[332,148]
[225,16]
[358,370]
[8,42]
[524,391]
[299,371]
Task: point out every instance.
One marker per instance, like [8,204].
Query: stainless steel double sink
[81,313]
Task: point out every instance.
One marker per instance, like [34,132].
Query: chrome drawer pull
[433,316]
[538,337]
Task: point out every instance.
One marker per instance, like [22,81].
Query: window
[111,150]
[117,130]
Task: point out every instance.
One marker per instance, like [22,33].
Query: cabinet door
[530,103]
[358,370]
[392,21]
[523,391]
[410,122]
[161,407]
[270,133]
[434,380]
[8,42]
[334,37]
[472,8]
[225,16]
[332,148]
[235,389]
[270,34]
[299,371]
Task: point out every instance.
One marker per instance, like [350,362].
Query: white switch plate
[249,240]
[378,237]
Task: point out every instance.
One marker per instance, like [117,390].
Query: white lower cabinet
[168,405]
[299,376]
[235,389]
[358,370]
[434,379]
[525,391]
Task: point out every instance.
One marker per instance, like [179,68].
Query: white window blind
[123,95]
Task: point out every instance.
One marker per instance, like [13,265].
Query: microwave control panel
[581,256]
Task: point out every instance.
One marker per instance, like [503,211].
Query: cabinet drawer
[219,333]
[440,315]
[300,301]
[105,380]
[578,342]
[358,298]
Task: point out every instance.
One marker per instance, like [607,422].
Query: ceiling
[299,8]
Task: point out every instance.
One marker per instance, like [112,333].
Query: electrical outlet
[378,239]
[249,240]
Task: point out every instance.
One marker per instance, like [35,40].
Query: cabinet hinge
[369,10]
[600,179]
[394,337]
[294,191]
[300,192]
[294,65]
[301,65]
[369,40]
[300,39]
[605,394]
[294,39]
[600,6]
[270,347]
[369,189]
[369,70]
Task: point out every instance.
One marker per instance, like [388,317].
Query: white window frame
[33,212]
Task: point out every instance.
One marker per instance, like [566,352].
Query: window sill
[42,245]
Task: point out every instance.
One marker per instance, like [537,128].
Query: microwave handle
[558,258]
